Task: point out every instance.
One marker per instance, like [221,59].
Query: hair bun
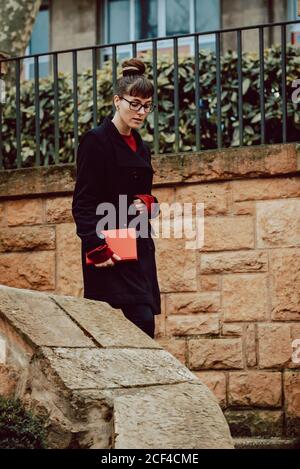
[131,70]
[133,66]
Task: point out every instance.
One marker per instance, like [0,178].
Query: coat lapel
[124,154]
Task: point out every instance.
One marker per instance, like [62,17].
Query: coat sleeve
[90,181]
[151,203]
[150,200]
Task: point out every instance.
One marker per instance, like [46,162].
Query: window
[118,20]
[39,43]
[146,19]
[129,20]
[177,17]
[293,29]
[208,15]
[207,18]
[292,13]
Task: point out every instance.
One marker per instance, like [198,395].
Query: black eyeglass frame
[152,106]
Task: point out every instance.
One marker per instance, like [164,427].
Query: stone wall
[231,309]
[73,24]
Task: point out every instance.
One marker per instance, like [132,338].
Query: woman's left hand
[139,205]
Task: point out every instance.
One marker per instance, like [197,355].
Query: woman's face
[129,112]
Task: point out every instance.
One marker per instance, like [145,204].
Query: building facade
[66,24]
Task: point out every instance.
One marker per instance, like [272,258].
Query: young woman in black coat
[113,160]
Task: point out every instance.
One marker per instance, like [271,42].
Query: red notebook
[123,242]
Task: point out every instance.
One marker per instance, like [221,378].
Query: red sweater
[130,140]
[103,252]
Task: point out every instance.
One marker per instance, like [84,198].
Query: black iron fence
[11,127]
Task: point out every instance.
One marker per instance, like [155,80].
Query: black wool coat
[107,167]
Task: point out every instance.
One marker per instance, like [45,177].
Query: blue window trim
[28,63]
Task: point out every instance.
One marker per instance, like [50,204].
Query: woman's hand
[139,205]
[109,262]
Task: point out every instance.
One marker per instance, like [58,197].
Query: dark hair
[133,81]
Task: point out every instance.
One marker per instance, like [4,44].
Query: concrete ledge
[266,443]
[210,165]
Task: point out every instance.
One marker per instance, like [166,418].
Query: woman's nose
[142,111]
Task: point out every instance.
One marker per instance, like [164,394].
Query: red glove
[148,200]
[99,254]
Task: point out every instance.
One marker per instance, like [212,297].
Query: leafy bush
[19,429]
[187,105]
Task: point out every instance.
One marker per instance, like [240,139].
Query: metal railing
[153,43]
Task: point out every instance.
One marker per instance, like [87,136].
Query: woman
[113,160]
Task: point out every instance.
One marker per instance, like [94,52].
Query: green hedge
[20,429]
[187,123]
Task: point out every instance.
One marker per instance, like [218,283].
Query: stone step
[266,443]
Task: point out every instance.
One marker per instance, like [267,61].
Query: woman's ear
[116,101]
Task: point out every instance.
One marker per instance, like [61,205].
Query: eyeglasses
[136,106]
